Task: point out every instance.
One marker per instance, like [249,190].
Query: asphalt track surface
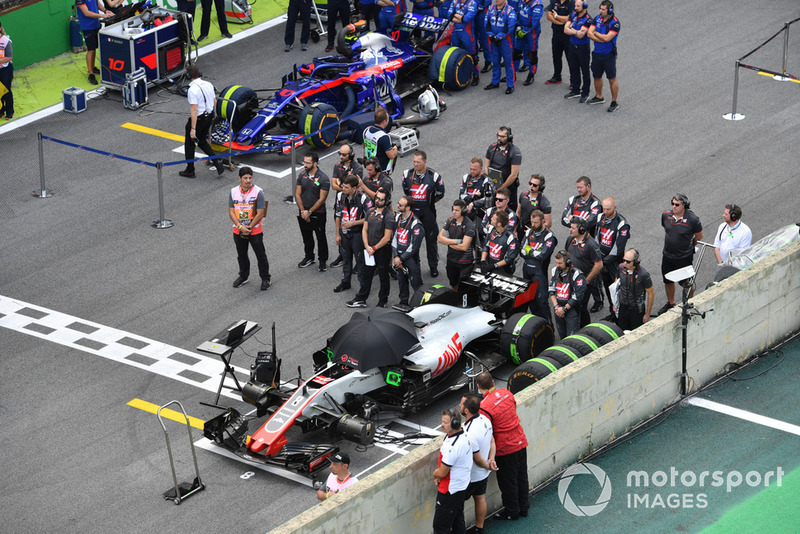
[72,445]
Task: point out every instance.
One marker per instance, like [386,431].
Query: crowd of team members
[508,32]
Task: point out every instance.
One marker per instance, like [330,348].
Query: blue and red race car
[334,96]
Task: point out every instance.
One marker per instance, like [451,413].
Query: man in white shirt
[478,428]
[202,102]
[731,234]
[340,477]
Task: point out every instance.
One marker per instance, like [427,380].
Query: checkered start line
[123,347]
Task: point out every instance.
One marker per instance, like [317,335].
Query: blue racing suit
[500,25]
[463,35]
[386,18]
[480,28]
[529,28]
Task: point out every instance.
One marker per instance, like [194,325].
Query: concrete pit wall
[587,403]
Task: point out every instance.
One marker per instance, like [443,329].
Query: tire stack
[588,339]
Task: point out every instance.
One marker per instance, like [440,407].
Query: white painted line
[373,466]
[436,431]
[745,415]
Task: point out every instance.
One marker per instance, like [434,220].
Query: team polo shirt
[632,287]
[377,223]
[503,157]
[604,28]
[561,8]
[381,180]
[528,204]
[311,187]
[679,234]
[584,253]
[246,204]
[501,408]
[479,431]
[341,171]
[456,453]
[455,230]
[577,24]
[88,23]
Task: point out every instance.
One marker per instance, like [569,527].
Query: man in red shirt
[511,457]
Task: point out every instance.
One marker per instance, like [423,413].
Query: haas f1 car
[384,362]
[334,97]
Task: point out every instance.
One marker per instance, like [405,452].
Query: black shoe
[341,287]
[503,79]
[307,262]
[188,173]
[475,80]
[95,70]
[598,305]
[202,38]
[583,99]
[509,90]
[356,304]
[487,67]
[523,68]
[529,79]
[288,199]
[597,100]
[92,79]
[381,305]
[265,285]
[323,266]
[227,35]
[329,48]
[434,272]
[337,262]
[220,168]
[239,281]
[523,513]
[505,516]
[572,94]
[491,86]
[403,307]
[665,308]
[553,81]
[611,109]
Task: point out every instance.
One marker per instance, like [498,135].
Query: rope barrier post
[161,223]
[733,116]
[290,199]
[783,77]
[43,192]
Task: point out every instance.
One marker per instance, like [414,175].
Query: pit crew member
[406,244]
[567,290]
[500,251]
[536,248]
[427,188]
[458,234]
[501,19]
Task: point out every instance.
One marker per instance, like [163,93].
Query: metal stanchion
[43,192]
[161,222]
[733,116]
[290,198]
[783,77]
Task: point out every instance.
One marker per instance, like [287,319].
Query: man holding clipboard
[502,163]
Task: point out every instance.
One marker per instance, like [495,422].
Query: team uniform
[6,76]
[90,27]
[604,56]
[426,190]
[478,429]
[406,244]
[458,261]
[583,255]
[528,205]
[500,24]
[560,40]
[481,38]
[487,226]
[377,223]
[578,56]
[588,210]
[463,32]
[678,240]
[471,186]
[303,9]
[500,407]
[386,17]
[535,250]
[376,143]
[348,209]
[503,158]
[526,40]
[381,181]
[569,287]
[311,187]
[502,246]
[612,236]
[632,294]
[456,452]
[246,205]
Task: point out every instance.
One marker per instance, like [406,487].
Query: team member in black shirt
[586,256]
[376,235]
[310,194]
[406,243]
[536,248]
[613,232]
[427,188]
[504,156]
[533,199]
[682,231]
[634,284]
[458,233]
[350,210]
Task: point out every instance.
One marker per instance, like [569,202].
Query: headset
[541,181]
[564,254]
[635,257]
[582,226]
[735,212]
[585,5]
[508,132]
[455,418]
[683,199]
[374,162]
[608,5]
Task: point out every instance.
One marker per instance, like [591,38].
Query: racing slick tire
[323,119]
[237,115]
[583,345]
[531,372]
[602,331]
[561,353]
[452,66]
[524,336]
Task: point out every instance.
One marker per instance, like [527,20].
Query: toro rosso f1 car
[369,70]
[383,361]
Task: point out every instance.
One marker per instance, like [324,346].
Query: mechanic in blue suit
[501,20]
[386,16]
[462,14]
[526,39]
[578,52]
[479,27]
[423,7]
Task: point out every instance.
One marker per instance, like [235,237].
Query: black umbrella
[377,337]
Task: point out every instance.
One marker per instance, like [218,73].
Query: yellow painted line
[772,76]
[166,413]
[166,135]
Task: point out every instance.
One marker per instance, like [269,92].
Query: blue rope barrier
[101,152]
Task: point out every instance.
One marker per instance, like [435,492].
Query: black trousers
[449,514]
[414,276]
[352,249]
[579,78]
[302,8]
[205,20]
[337,9]
[629,317]
[7,102]
[538,306]
[201,131]
[383,258]
[308,229]
[560,42]
[428,219]
[257,242]
[608,275]
[512,479]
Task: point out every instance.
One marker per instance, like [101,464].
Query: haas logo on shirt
[350,214]
[419,191]
[402,236]
[580,213]
[494,250]
[562,291]
[606,237]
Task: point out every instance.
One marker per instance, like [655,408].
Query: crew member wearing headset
[501,20]
[406,244]
[731,234]
[586,256]
[501,201]
[634,284]
[246,208]
[378,144]
[536,248]
[533,199]
[476,190]
[500,251]
[426,186]
[613,233]
[578,52]
[603,31]
[462,15]
[350,210]
[347,165]
[567,290]
[458,233]
[505,158]
[682,231]
[375,179]
[526,39]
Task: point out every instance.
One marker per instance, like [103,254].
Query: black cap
[341,457]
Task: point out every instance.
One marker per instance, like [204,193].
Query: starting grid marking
[745,415]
